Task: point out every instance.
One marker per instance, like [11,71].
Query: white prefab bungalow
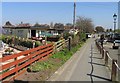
[21,30]
[24,30]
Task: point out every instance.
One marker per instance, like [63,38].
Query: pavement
[112,52]
[85,65]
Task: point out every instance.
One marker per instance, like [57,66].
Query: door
[33,33]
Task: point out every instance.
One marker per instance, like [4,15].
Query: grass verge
[49,66]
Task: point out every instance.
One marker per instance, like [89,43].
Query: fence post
[114,70]
[69,43]
[54,48]
[100,49]
[15,66]
[102,52]
[63,43]
[33,43]
[106,58]
[97,45]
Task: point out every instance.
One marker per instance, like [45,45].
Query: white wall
[37,33]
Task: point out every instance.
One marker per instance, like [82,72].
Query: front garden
[47,67]
[20,43]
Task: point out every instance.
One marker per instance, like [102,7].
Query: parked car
[88,35]
[116,39]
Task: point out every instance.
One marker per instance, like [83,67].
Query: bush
[37,43]
[82,36]
[66,35]
[7,39]
[3,38]
[75,40]
[17,41]
[29,44]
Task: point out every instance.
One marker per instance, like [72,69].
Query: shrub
[82,36]
[7,39]
[66,35]
[3,38]
[29,44]
[75,40]
[37,43]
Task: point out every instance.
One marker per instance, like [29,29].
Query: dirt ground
[38,76]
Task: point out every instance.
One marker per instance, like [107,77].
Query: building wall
[23,33]
[37,33]
[7,31]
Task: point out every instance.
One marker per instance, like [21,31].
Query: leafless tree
[84,24]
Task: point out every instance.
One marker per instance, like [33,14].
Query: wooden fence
[109,62]
[58,46]
[16,63]
[13,64]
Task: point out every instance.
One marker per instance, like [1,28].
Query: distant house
[20,30]
[8,27]
[38,30]
[25,30]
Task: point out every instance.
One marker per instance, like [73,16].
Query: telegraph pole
[74,14]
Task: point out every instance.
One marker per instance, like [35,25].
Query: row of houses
[25,30]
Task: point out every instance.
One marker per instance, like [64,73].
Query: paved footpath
[85,65]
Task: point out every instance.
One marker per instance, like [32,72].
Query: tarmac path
[85,65]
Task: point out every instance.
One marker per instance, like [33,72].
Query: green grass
[56,60]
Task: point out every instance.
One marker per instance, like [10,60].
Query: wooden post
[33,44]
[100,49]
[13,41]
[97,44]
[63,43]
[114,70]
[69,44]
[16,65]
[102,52]
[106,58]
[54,48]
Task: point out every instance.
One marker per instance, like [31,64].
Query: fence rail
[28,57]
[114,66]
[60,45]
[16,63]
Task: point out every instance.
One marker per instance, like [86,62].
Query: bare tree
[84,24]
